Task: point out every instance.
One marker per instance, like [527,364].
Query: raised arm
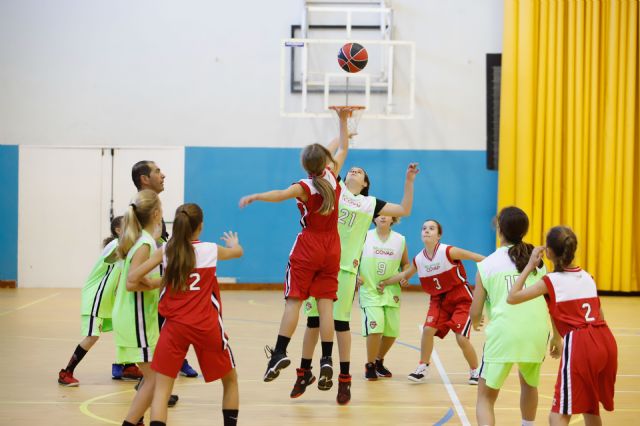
[339,147]
[141,265]
[404,208]
[479,297]
[233,248]
[518,292]
[457,253]
[275,196]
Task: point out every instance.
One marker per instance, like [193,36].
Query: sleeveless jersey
[516,333]
[135,313]
[354,219]
[200,305]
[439,274]
[380,260]
[310,219]
[99,291]
[572,300]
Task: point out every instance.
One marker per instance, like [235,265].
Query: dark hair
[436,222]
[513,224]
[315,159]
[141,168]
[115,223]
[365,190]
[563,242]
[181,256]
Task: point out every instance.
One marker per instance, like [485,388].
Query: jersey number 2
[194,284]
[587,316]
[346,217]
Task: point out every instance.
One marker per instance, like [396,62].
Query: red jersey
[200,305]
[439,274]
[573,300]
[311,220]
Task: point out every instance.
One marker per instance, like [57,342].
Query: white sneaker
[420,375]
[474,376]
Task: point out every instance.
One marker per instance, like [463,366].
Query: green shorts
[495,373]
[94,326]
[126,355]
[380,319]
[342,306]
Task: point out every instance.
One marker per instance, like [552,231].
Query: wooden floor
[39,329]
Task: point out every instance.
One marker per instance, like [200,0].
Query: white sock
[527,422]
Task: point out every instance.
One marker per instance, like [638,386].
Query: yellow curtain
[569,128]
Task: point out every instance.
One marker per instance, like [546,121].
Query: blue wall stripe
[453,187]
[9,212]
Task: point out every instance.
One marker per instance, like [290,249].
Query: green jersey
[380,260]
[99,290]
[135,313]
[516,333]
[354,218]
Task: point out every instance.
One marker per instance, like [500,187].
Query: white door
[59,201]
[64,204]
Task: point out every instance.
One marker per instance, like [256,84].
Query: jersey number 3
[194,284]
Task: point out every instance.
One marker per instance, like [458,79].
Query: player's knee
[313,322]
[341,325]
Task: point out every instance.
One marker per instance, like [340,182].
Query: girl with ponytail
[192,309]
[587,372]
[314,260]
[135,311]
[515,334]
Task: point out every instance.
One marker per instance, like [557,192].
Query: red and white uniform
[314,260]
[446,281]
[589,362]
[194,317]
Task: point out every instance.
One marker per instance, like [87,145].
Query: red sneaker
[304,379]
[132,372]
[66,379]
[344,389]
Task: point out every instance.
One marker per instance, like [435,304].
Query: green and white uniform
[98,293]
[354,219]
[135,313]
[516,333]
[380,260]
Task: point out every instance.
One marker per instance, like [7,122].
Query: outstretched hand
[412,171]
[247,199]
[230,239]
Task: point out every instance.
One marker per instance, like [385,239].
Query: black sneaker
[173,400]
[304,379]
[344,389]
[277,361]
[381,370]
[326,373]
[370,371]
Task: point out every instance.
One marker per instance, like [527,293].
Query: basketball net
[355,113]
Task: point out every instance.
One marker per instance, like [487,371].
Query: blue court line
[445,419]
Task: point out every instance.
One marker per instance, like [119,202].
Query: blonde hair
[181,256]
[315,159]
[137,216]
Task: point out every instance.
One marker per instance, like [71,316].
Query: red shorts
[450,311]
[214,356]
[587,372]
[313,266]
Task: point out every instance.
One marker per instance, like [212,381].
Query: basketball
[353,57]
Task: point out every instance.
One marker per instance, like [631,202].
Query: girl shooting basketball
[314,260]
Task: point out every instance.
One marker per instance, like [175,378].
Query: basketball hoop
[355,113]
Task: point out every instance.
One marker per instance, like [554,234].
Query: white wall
[206,73]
